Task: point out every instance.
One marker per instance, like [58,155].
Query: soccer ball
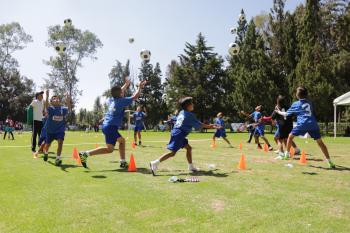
[131,40]
[198,56]
[241,17]
[68,22]
[233,30]
[233,49]
[164,96]
[145,55]
[60,47]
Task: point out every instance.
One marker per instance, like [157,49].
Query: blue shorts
[138,128]
[54,136]
[220,133]
[178,140]
[111,134]
[314,133]
[277,133]
[259,131]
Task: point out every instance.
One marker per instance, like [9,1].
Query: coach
[38,107]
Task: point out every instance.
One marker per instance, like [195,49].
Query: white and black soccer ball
[67,22]
[241,17]
[145,55]
[164,97]
[233,49]
[60,47]
[198,56]
[131,40]
[233,30]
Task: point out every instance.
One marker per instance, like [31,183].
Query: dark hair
[185,102]
[301,92]
[116,91]
[54,96]
[281,101]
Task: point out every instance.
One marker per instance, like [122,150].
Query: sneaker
[331,165]
[270,148]
[140,143]
[154,167]
[46,157]
[58,162]
[123,164]
[193,169]
[83,158]
[286,156]
[280,156]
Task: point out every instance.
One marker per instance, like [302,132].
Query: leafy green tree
[117,77]
[97,110]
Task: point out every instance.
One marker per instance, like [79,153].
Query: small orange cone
[292,152]
[240,146]
[241,164]
[132,165]
[302,158]
[266,148]
[133,145]
[75,154]
[96,146]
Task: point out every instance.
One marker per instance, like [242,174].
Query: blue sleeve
[126,101]
[294,109]
[195,122]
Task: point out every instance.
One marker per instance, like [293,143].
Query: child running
[186,120]
[259,128]
[139,117]
[306,123]
[220,132]
[55,124]
[112,121]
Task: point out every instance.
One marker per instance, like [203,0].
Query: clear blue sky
[162,26]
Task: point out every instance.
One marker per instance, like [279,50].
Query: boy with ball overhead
[306,123]
[186,120]
[112,121]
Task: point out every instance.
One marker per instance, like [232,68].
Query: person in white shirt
[38,107]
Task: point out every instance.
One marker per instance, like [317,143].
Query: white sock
[190,165]
[122,161]
[58,157]
[156,161]
[87,153]
[329,160]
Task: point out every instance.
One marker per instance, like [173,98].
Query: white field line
[93,143]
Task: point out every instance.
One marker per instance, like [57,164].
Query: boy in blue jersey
[259,128]
[55,124]
[112,121]
[186,120]
[138,117]
[220,132]
[306,123]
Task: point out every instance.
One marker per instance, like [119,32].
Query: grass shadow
[138,170]
[99,177]
[200,173]
[63,167]
[337,168]
[310,173]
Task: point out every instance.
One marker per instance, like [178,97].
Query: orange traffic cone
[240,146]
[133,145]
[292,152]
[266,148]
[241,164]
[75,154]
[302,158]
[132,165]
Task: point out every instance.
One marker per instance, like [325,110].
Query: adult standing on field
[38,107]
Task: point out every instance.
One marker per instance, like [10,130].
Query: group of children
[184,122]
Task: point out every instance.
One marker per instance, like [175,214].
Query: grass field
[36,196]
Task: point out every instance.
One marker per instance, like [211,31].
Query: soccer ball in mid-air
[233,30]
[68,22]
[145,55]
[164,97]
[241,17]
[233,49]
[60,47]
[131,40]
[198,56]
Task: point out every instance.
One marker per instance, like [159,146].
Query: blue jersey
[43,129]
[220,122]
[257,116]
[173,119]
[115,112]
[138,118]
[56,119]
[186,121]
[303,110]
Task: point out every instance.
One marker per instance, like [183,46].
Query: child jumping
[111,123]
[259,128]
[306,123]
[186,120]
[220,132]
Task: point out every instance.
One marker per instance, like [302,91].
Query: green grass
[267,197]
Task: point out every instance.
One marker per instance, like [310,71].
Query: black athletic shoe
[46,157]
[140,143]
[123,164]
[83,158]
[58,162]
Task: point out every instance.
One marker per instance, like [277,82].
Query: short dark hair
[185,102]
[281,101]
[301,92]
[54,96]
[116,91]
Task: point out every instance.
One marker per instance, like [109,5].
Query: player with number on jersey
[306,123]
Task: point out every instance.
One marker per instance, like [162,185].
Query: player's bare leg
[189,158]
[325,152]
[226,140]
[267,142]
[154,164]
[46,151]
[139,134]
[135,137]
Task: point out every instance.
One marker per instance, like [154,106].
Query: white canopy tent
[341,100]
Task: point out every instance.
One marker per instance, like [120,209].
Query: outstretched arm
[137,93]
[126,84]
[46,103]
[210,126]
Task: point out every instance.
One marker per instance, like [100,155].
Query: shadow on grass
[337,168]
[310,173]
[99,177]
[63,166]
[138,170]
[200,173]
